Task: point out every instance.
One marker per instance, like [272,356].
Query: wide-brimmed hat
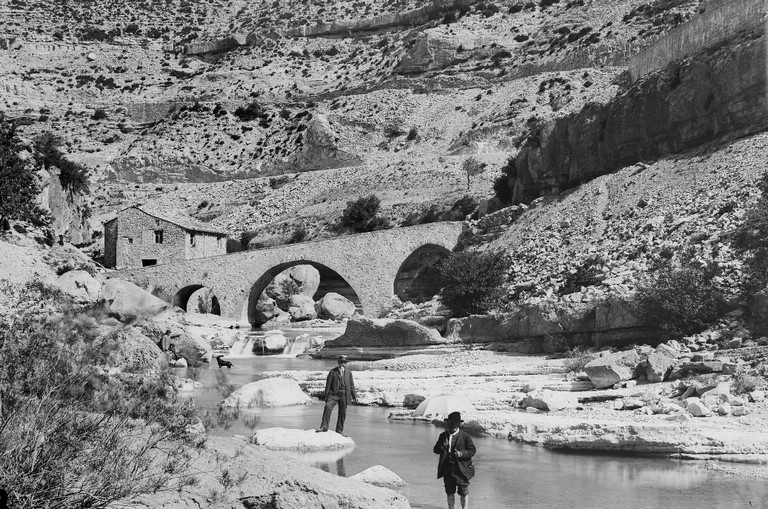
[342,358]
[454,416]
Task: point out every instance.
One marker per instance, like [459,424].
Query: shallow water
[509,474]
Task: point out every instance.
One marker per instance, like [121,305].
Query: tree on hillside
[73,176]
[473,281]
[472,166]
[361,215]
[19,185]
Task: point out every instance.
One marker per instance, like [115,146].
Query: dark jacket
[466,449]
[333,385]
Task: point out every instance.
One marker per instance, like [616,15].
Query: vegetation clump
[681,298]
[361,215]
[504,185]
[473,282]
[588,273]
[19,185]
[751,239]
[73,176]
[70,434]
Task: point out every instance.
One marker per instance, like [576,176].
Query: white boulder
[271,392]
[80,285]
[129,302]
[608,370]
[334,307]
[300,439]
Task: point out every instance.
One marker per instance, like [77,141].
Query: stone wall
[368,262]
[721,21]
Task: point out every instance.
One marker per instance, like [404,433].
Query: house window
[157,222]
[146,262]
[129,240]
[158,236]
[192,239]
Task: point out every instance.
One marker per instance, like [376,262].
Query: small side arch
[417,279]
[206,301]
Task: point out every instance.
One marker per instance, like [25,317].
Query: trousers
[331,402]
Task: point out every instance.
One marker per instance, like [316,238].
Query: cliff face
[70,211]
[716,93]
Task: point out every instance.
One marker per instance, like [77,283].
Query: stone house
[138,237]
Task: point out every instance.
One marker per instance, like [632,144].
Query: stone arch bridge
[370,263]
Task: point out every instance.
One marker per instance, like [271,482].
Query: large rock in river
[271,392]
[265,310]
[129,302]
[300,439]
[363,331]
[334,306]
[298,280]
[133,352]
[301,307]
[608,370]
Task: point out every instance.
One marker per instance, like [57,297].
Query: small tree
[681,299]
[19,185]
[360,215]
[473,281]
[472,166]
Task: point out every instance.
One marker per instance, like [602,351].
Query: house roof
[176,218]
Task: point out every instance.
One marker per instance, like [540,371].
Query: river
[509,474]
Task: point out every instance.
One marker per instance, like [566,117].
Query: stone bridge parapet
[368,262]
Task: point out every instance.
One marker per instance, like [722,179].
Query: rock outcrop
[273,480]
[298,280]
[271,392]
[702,98]
[363,331]
[549,401]
[80,285]
[301,307]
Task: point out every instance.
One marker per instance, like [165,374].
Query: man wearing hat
[339,389]
[455,466]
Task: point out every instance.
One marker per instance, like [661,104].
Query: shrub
[577,359]
[744,383]
[68,432]
[361,215]
[99,114]
[681,300]
[751,240]
[473,281]
[413,133]
[248,113]
[18,181]
[472,166]
[299,234]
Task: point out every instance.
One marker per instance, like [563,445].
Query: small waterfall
[243,345]
[296,346]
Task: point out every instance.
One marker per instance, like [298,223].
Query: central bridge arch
[373,264]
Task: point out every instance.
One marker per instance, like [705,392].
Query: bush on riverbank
[71,435]
[681,299]
[473,282]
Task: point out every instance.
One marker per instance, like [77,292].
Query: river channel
[509,474]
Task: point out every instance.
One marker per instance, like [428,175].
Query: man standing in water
[339,389]
[455,466]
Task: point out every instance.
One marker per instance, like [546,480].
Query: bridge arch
[417,279]
[326,273]
[186,294]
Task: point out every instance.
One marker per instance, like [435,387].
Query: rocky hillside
[398,92]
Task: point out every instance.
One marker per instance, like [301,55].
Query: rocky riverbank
[510,394]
